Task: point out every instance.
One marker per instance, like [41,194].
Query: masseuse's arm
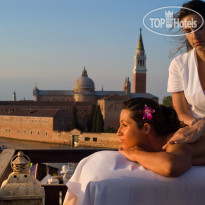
[188,134]
[181,106]
[174,162]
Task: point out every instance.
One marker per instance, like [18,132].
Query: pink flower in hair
[147,112]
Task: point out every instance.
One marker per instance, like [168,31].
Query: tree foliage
[90,119]
[99,121]
[167,101]
[74,120]
[95,121]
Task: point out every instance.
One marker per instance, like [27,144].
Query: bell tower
[35,93]
[127,86]
[14,96]
[139,70]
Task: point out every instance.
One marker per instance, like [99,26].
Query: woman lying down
[152,138]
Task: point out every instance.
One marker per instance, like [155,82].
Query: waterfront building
[37,125]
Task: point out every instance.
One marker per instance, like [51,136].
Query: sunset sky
[48,42]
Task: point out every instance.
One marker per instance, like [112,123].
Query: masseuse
[187,71]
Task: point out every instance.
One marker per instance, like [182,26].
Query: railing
[54,194]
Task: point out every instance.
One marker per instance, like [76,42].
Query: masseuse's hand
[130,153]
[184,135]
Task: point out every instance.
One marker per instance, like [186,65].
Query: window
[24,131]
[18,131]
[46,133]
[38,132]
[39,122]
[95,139]
[31,132]
[87,138]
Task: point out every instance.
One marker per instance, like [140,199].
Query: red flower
[147,112]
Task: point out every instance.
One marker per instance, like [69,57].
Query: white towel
[108,178]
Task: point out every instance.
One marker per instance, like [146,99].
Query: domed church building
[84,88]
[83,91]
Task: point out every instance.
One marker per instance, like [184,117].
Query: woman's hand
[130,153]
[184,135]
[188,134]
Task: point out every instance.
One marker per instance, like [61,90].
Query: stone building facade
[50,126]
[35,125]
[83,108]
[110,107]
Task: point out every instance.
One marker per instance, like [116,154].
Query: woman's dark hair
[194,5]
[164,119]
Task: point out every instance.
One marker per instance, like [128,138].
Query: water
[23,144]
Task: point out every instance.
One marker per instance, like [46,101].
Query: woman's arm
[174,162]
[70,198]
[181,106]
[188,134]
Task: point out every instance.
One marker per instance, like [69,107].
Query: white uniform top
[183,76]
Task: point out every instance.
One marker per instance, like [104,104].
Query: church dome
[84,83]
